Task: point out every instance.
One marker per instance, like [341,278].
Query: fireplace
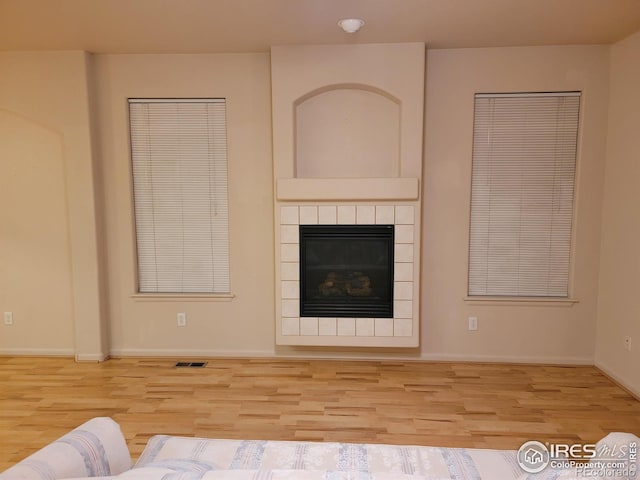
[346,271]
[348,301]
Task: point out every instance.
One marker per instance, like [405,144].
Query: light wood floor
[446,404]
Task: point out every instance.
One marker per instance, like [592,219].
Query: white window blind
[179,158]
[524,156]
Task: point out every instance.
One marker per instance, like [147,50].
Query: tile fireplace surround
[347,150]
[396,331]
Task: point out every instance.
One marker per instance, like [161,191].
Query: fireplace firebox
[346,271]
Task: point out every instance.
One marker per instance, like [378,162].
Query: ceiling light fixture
[351,25]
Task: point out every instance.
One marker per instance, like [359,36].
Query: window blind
[179,163]
[523,173]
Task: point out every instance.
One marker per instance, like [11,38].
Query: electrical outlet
[627,343]
[8,318]
[182,319]
[473,323]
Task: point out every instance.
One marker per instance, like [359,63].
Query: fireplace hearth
[346,271]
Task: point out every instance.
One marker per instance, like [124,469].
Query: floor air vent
[191,364]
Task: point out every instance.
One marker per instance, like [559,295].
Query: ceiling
[207,26]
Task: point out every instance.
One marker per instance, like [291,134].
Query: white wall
[34,257]
[245,324]
[53,90]
[618,306]
[46,128]
[536,332]
[542,333]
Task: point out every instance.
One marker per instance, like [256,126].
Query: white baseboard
[91,357]
[312,354]
[442,357]
[160,352]
[53,352]
[338,355]
[635,390]
[446,357]
[38,352]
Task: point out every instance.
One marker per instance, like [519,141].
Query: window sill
[522,301]
[182,297]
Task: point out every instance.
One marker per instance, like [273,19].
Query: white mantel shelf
[347,189]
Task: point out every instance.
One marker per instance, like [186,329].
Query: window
[179,160]
[524,156]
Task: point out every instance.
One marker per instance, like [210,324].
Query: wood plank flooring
[446,404]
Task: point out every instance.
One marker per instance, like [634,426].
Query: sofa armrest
[95,448]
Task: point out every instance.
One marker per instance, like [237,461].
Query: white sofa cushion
[210,455]
[96,448]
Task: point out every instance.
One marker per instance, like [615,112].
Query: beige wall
[538,332]
[39,93]
[618,307]
[245,324]
[34,257]
[57,91]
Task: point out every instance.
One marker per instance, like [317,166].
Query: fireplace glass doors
[346,271]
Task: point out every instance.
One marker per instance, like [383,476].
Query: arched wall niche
[347,130]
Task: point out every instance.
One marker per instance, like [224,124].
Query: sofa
[97,450]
